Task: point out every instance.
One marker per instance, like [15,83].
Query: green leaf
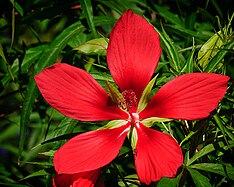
[66,126]
[114,124]
[219,57]
[204,151]
[5,66]
[188,68]
[3,171]
[87,11]
[132,136]
[96,46]
[99,76]
[170,182]
[48,57]
[30,57]
[116,96]
[210,49]
[222,127]
[188,33]
[17,7]
[2,54]
[48,153]
[104,20]
[148,122]
[8,132]
[172,52]
[225,170]
[167,182]
[207,149]
[199,179]
[187,137]
[167,15]
[36,174]
[145,97]
[120,7]
[39,163]
[129,181]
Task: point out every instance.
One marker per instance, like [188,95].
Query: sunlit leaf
[96,46]
[148,122]
[114,124]
[145,97]
[132,136]
[219,57]
[99,76]
[210,49]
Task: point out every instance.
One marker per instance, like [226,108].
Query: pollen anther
[130,99]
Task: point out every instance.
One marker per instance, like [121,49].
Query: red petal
[85,179]
[157,155]
[90,150]
[133,52]
[74,93]
[190,96]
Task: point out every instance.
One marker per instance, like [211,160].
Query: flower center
[130,100]
[134,118]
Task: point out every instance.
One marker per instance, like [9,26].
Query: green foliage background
[196,36]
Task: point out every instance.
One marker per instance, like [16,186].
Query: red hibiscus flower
[132,55]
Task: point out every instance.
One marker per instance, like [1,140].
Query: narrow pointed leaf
[132,136]
[172,52]
[167,15]
[199,179]
[114,124]
[87,11]
[48,58]
[187,137]
[219,57]
[190,61]
[210,49]
[204,151]
[145,97]
[115,95]
[96,46]
[36,174]
[172,182]
[148,122]
[221,169]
